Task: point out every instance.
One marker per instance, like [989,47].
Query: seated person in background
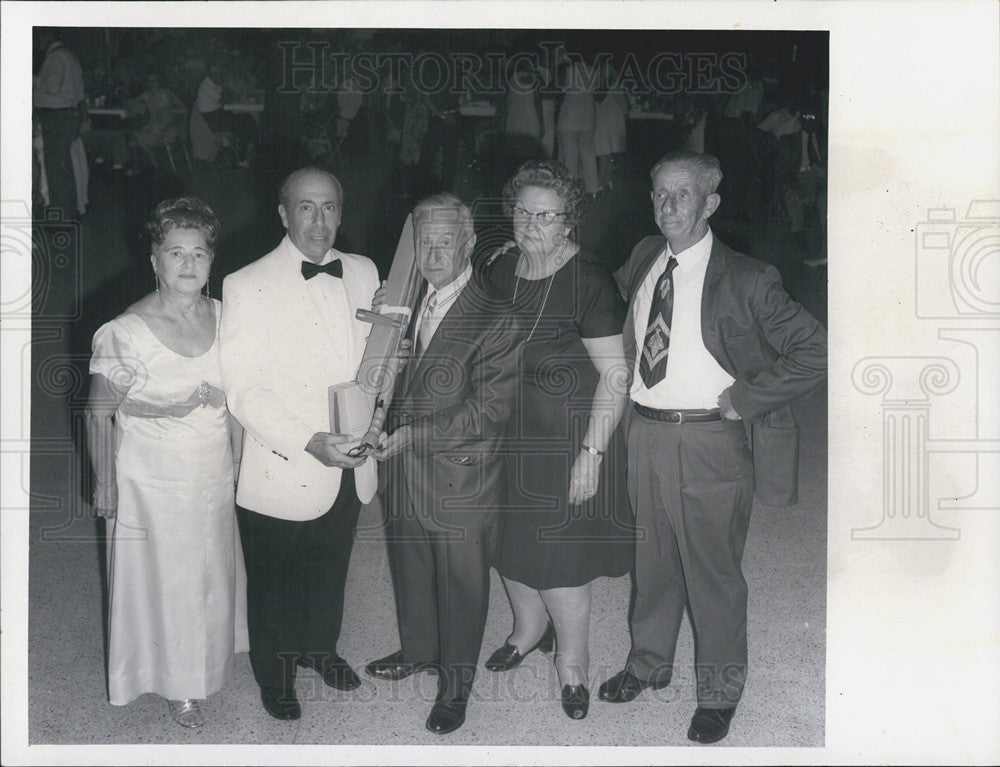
[164,116]
[230,132]
[209,100]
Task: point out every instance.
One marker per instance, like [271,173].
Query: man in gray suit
[719,349]
[444,463]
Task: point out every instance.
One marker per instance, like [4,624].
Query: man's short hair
[706,166]
[451,209]
[291,178]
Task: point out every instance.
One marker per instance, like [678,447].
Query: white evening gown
[177,584]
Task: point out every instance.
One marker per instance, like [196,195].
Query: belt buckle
[680,417]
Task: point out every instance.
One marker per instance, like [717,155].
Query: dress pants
[60,127]
[577,153]
[691,486]
[296,573]
[442,587]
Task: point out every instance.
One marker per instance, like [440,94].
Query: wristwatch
[592,450]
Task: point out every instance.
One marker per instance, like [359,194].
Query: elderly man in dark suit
[445,467]
[719,351]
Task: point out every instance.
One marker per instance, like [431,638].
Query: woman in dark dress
[568,519]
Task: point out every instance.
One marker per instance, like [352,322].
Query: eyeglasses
[544,217]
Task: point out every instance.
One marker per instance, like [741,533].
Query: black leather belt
[678,416]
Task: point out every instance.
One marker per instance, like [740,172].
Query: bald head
[291,178]
[310,209]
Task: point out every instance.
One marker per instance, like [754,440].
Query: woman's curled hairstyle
[547,174]
[183,213]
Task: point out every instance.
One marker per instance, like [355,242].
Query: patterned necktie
[423,332]
[656,346]
[334,269]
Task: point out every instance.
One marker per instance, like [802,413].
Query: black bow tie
[334,269]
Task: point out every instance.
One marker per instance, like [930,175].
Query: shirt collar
[452,289]
[694,255]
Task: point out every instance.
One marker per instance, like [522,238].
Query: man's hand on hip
[325,448]
[726,407]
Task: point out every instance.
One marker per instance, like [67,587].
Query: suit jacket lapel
[439,342]
[647,263]
[714,273]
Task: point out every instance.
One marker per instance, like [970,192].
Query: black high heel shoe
[508,656]
[575,701]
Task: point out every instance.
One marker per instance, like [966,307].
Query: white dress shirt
[694,380]
[429,319]
[209,97]
[329,296]
[60,80]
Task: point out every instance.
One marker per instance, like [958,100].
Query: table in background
[119,112]
[636,114]
[253,109]
[477,109]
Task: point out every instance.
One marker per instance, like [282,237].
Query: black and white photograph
[471,383]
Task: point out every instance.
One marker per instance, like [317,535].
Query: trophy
[360,406]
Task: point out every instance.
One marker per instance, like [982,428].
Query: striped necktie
[424,333]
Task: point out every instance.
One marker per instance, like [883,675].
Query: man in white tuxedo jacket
[288,333]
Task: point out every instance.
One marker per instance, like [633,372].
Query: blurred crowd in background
[439,110]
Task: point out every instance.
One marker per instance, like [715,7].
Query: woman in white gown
[164,451]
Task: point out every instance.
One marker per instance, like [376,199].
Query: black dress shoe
[447,716]
[575,700]
[508,656]
[335,672]
[280,702]
[625,686]
[393,667]
[709,725]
